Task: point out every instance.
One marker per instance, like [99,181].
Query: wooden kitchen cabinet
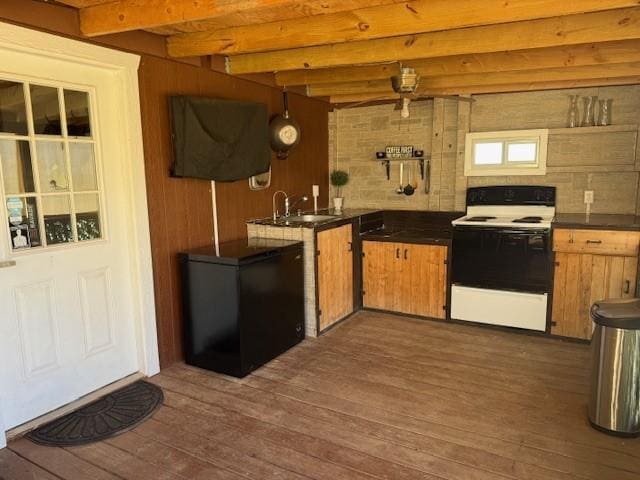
[335,275]
[590,265]
[406,278]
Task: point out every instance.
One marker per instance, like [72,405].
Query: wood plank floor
[378,397]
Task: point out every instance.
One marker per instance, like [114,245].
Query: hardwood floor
[378,397]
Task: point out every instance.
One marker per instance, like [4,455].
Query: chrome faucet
[286,204]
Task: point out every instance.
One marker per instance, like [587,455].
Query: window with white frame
[514,152]
[49,176]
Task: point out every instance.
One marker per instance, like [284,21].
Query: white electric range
[501,268]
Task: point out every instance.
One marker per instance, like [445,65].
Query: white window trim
[541,136]
[124,67]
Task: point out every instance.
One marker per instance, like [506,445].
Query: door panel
[335,274]
[68,318]
[380,275]
[427,293]
[583,279]
[405,278]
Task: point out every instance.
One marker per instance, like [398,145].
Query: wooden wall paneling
[307,165]
[181,209]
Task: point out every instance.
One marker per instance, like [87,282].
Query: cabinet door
[582,279]
[379,274]
[335,275]
[425,280]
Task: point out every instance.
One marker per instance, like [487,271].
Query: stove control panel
[512,195]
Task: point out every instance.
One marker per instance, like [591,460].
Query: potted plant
[339,178]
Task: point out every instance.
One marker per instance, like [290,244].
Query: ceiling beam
[377,22]
[83,3]
[612,25]
[338,74]
[504,88]
[362,97]
[555,57]
[429,84]
[126,15]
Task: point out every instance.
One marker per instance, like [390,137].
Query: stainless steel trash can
[614,404]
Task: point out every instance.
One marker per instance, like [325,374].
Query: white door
[68,306]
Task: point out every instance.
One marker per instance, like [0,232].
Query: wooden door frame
[124,68]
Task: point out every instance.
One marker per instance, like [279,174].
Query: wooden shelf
[407,159]
[585,130]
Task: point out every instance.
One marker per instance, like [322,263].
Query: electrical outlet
[588,196]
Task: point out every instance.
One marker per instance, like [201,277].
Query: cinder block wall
[607,163]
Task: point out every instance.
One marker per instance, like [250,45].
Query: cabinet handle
[627,286]
[397,253]
[350,246]
[595,242]
[405,253]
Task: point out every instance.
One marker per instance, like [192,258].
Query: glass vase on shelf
[604,116]
[573,111]
[588,120]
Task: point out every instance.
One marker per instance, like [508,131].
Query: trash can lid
[623,313]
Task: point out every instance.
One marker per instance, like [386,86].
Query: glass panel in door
[45,106]
[57,219]
[13,111]
[52,167]
[83,167]
[87,207]
[76,105]
[23,222]
[17,171]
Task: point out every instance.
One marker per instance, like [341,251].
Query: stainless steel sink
[310,218]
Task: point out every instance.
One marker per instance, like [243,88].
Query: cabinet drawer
[599,242]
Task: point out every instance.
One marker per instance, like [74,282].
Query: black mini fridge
[243,304]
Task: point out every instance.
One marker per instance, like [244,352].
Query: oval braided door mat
[108,416]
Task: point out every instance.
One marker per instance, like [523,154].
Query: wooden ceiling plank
[83,3]
[500,88]
[612,25]
[338,74]
[126,15]
[362,97]
[589,72]
[270,14]
[625,51]
[377,22]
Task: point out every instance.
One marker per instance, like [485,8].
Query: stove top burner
[479,219]
[528,220]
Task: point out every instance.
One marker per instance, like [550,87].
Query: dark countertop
[597,221]
[344,215]
[431,236]
[406,226]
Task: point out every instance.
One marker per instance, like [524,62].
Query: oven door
[502,258]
